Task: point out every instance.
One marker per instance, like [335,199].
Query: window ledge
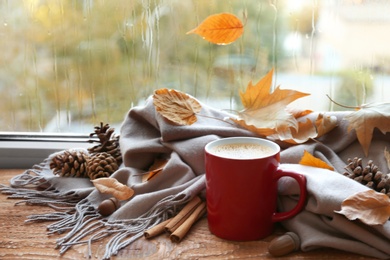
[23,155]
[23,151]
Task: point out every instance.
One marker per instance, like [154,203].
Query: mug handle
[301,179]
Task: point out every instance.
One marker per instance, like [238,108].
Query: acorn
[285,244]
[108,206]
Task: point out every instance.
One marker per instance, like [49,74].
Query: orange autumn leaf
[150,174]
[370,207]
[155,169]
[309,160]
[268,115]
[265,111]
[176,107]
[221,28]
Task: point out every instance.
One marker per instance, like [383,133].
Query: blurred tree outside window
[68,65]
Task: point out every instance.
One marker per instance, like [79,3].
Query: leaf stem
[340,104]
[219,119]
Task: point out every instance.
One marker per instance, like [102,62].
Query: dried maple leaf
[306,130]
[176,106]
[265,113]
[221,28]
[297,113]
[114,187]
[309,160]
[366,119]
[371,207]
[325,124]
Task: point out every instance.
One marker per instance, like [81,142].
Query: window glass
[67,65]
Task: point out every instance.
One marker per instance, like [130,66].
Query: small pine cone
[368,175]
[108,142]
[70,163]
[101,165]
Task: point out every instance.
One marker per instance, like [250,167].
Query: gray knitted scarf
[145,136]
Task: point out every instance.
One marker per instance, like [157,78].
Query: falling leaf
[113,187]
[371,207]
[221,28]
[366,119]
[387,157]
[176,106]
[309,160]
[265,113]
[155,169]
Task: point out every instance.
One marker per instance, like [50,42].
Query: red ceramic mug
[241,188]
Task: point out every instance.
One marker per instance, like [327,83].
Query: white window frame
[23,150]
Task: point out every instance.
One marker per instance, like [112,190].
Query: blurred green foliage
[96,59]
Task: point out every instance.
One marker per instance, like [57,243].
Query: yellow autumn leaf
[220,29]
[113,187]
[309,160]
[370,207]
[368,117]
[175,106]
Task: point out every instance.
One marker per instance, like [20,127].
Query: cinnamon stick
[183,229]
[183,215]
[157,229]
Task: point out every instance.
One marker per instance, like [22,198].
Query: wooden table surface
[30,241]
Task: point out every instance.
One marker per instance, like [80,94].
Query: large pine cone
[368,175]
[70,163]
[101,165]
[108,142]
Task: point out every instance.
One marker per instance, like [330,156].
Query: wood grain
[30,241]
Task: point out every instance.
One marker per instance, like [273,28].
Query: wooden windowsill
[30,241]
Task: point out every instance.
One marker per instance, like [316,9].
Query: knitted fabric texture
[146,136]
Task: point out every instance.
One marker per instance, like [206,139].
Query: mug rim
[243,139]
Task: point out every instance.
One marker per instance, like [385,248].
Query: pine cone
[368,175]
[108,142]
[70,163]
[101,165]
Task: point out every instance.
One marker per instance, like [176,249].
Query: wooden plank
[30,241]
